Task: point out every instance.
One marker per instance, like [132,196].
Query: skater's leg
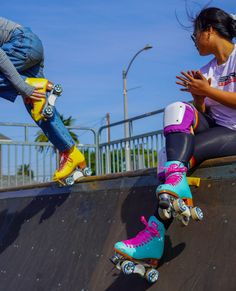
[57,134]
[180,120]
[25,51]
[180,145]
[215,142]
[54,129]
[182,124]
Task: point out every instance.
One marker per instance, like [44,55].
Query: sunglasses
[194,37]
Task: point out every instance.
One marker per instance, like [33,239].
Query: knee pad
[45,108]
[180,117]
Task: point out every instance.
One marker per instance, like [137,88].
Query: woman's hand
[36,95]
[195,83]
[198,100]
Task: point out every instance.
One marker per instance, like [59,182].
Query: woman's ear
[211,31]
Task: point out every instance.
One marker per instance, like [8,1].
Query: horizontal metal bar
[152,133]
[41,144]
[132,119]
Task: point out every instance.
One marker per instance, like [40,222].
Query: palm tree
[25,170]
[41,137]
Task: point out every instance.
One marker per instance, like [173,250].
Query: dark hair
[218,19]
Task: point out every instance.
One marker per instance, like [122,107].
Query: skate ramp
[55,238]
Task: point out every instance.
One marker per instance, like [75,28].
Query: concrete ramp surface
[55,238]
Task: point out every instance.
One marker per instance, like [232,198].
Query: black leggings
[209,141]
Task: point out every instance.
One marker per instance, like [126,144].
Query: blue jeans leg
[55,131]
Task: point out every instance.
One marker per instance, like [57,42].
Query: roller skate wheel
[127,267]
[164,201]
[185,220]
[57,89]
[164,213]
[152,275]
[197,213]
[48,111]
[87,171]
[179,205]
[115,259]
[69,181]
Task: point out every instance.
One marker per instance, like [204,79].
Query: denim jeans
[25,50]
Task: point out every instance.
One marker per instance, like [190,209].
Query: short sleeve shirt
[223,77]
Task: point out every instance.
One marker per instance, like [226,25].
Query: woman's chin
[203,53]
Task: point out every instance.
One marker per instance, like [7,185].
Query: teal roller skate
[140,255]
[175,197]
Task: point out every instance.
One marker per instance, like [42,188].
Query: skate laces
[173,174]
[145,235]
[64,159]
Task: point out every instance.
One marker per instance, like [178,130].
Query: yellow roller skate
[44,108]
[72,167]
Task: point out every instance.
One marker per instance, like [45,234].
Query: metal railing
[24,161]
[141,149]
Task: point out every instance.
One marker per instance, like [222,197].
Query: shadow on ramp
[12,218]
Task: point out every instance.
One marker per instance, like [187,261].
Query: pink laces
[145,235]
[173,174]
[64,158]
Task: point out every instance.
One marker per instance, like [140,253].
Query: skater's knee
[180,117]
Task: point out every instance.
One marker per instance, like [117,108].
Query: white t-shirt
[223,77]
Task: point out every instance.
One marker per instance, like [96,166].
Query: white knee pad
[174,113]
[178,117]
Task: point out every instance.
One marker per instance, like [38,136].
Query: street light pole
[126,125]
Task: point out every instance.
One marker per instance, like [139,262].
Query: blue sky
[88,44]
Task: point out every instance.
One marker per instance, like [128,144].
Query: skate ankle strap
[174,168]
[153,229]
[63,159]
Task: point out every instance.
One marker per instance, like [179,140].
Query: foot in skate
[140,255]
[175,198]
[72,167]
[44,108]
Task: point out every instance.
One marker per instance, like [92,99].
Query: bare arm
[200,86]
[199,103]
